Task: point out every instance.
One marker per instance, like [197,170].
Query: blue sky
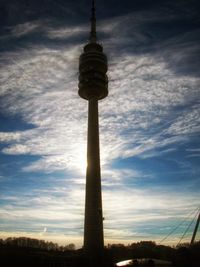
[149,123]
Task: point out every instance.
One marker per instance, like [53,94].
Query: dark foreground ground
[12,255]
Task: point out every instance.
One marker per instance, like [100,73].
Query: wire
[188,228]
[177,226]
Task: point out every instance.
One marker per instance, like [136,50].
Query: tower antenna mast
[93,24]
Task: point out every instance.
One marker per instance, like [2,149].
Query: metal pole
[195,230]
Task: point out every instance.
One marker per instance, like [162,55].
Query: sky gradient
[149,123]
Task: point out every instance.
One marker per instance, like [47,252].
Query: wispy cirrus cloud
[143,207]
[132,119]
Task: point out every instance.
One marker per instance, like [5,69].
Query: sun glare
[81,159]
[82,162]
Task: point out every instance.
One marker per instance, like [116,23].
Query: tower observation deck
[93,81]
[93,86]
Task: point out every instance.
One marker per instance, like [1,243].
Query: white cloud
[126,211]
[141,97]
[137,209]
[117,175]
[187,123]
[17,149]
[9,136]
[25,28]
[66,32]
[41,84]
[63,211]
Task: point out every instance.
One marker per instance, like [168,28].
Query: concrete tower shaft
[93,226]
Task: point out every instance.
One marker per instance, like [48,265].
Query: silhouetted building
[93,86]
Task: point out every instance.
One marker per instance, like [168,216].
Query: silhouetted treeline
[34,243]
[29,252]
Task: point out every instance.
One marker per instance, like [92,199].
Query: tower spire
[93,24]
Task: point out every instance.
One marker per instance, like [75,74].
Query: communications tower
[93,86]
